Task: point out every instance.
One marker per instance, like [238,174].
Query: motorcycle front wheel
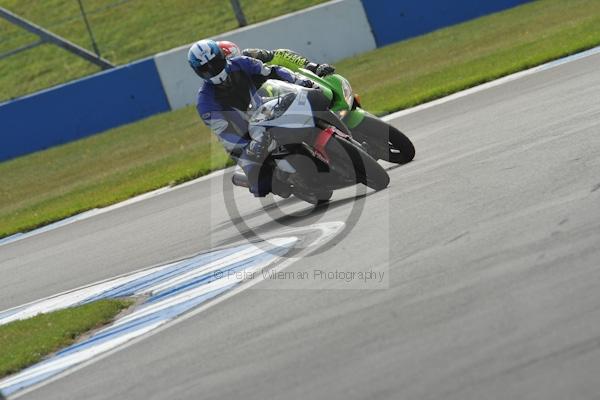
[385,141]
[350,160]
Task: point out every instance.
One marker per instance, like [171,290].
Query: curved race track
[491,243]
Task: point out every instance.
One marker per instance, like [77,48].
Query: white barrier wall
[325,33]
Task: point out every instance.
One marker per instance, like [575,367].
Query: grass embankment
[125,30]
[446,61]
[102,169]
[24,343]
[173,147]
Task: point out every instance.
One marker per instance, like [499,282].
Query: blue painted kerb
[78,109]
[395,20]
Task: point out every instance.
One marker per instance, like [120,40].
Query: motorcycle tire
[397,149]
[366,168]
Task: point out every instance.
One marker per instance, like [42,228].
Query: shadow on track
[303,217]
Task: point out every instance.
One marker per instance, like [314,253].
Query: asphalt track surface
[491,239]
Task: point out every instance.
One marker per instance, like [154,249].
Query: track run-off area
[476,274]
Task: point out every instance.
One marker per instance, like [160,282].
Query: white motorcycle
[313,152]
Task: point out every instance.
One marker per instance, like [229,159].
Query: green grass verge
[125,30]
[174,147]
[49,185]
[24,343]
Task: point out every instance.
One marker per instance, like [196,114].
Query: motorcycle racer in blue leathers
[223,101]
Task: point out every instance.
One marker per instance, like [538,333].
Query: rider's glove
[307,83]
[257,149]
[261,144]
[324,70]
[257,132]
[320,69]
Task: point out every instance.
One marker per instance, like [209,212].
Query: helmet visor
[212,68]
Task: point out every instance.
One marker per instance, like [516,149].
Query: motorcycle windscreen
[281,104]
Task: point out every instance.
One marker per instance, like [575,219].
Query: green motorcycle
[381,140]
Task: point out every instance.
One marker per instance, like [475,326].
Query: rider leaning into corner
[229,81]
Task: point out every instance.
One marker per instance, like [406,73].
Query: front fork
[353,117]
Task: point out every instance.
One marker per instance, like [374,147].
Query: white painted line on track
[387,118]
[173,293]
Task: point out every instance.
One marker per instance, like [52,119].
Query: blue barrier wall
[135,91]
[81,108]
[395,20]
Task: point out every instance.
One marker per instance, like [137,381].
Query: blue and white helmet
[208,61]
